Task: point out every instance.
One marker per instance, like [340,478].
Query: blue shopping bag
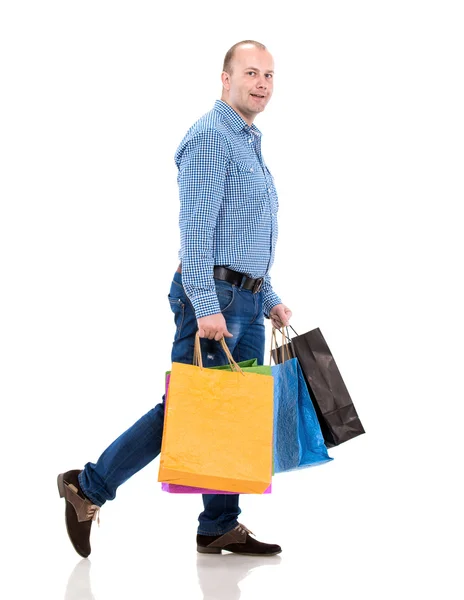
[298,440]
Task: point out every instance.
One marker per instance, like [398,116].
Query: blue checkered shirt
[228,207]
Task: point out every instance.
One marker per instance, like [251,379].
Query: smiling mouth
[257,95]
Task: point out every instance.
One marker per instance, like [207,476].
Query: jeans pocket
[178,308]
[226,295]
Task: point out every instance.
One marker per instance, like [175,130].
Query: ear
[225,78]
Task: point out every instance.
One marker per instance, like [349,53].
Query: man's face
[249,87]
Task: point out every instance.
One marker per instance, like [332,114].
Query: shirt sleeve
[201,179]
[270,298]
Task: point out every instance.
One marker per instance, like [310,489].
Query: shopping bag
[298,440]
[244,364]
[335,410]
[174,488]
[218,428]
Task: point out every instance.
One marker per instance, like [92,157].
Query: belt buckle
[258,285]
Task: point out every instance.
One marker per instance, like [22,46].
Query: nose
[262,82]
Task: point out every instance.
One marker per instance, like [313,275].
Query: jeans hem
[84,491]
[214,533]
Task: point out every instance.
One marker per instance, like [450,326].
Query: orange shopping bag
[218,428]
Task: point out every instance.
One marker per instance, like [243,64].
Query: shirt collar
[234,119]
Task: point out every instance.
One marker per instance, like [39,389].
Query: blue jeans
[141,443]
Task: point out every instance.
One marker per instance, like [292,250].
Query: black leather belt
[236,278]
[239,279]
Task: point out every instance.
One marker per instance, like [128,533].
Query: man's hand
[213,327]
[280,315]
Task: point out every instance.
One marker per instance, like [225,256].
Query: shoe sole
[60,483]
[203,550]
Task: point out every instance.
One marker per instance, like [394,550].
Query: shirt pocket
[241,168]
[244,183]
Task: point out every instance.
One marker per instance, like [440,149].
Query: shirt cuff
[205,304]
[269,301]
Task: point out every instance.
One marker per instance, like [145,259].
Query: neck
[247,118]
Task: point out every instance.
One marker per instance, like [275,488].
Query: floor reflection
[219,576]
[78,587]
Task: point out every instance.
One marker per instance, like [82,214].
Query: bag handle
[291,329]
[284,346]
[198,359]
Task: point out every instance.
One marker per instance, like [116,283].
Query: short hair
[227,67]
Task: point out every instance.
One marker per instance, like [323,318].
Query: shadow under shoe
[239,541]
[79,513]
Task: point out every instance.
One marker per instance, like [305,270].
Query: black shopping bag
[335,410]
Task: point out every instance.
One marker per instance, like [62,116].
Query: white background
[364,136]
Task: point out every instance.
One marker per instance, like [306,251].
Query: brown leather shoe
[238,540]
[80,512]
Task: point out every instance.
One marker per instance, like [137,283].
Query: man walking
[222,288]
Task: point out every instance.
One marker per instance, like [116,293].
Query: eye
[269,75]
[251,73]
